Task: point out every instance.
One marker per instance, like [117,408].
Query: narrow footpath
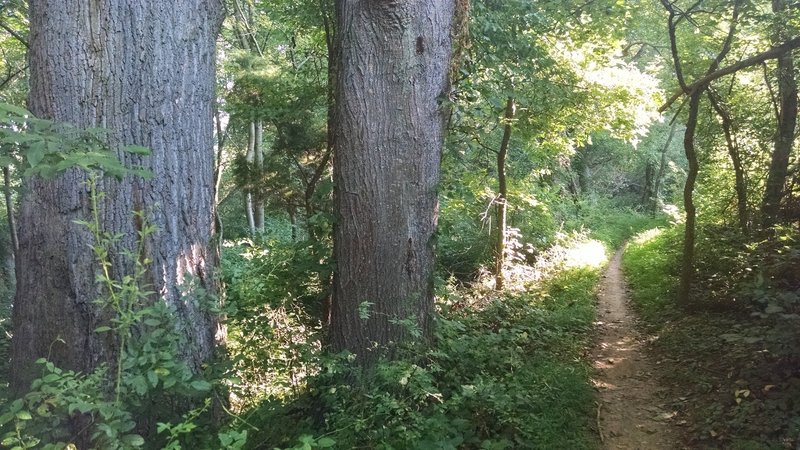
[631,411]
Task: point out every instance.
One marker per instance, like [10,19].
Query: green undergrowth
[612,224]
[732,362]
[503,373]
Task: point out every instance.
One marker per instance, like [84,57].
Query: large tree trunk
[393,70]
[502,198]
[145,71]
[787,121]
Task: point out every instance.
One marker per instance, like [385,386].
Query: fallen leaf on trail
[666,415]
[768,387]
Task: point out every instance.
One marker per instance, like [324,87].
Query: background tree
[146,74]
[566,85]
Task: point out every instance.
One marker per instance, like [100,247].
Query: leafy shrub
[503,373]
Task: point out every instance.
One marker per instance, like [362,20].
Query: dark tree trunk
[502,198]
[736,159]
[689,233]
[647,191]
[392,72]
[144,71]
[787,121]
[695,95]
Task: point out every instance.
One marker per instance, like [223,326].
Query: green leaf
[325,442]
[51,377]
[35,153]
[201,385]
[16,405]
[14,110]
[5,418]
[102,329]
[23,415]
[134,440]
[139,384]
[152,377]
[136,150]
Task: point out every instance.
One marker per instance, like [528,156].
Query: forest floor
[633,410]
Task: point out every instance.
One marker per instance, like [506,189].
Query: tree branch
[16,35]
[772,53]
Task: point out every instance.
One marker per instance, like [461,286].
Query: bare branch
[16,35]
[772,53]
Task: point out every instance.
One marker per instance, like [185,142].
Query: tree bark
[784,138]
[143,70]
[502,198]
[689,233]
[392,70]
[649,182]
[258,200]
[249,197]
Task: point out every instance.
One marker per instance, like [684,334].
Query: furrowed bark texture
[393,70]
[143,69]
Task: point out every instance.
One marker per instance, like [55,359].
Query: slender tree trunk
[258,199]
[392,70]
[689,233]
[250,158]
[502,198]
[326,276]
[218,169]
[784,138]
[649,182]
[738,169]
[695,95]
[146,73]
[12,223]
[293,222]
[662,166]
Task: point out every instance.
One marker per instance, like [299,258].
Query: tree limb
[772,53]
[16,35]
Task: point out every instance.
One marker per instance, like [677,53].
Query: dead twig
[599,427]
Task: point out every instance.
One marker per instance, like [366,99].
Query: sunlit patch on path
[632,412]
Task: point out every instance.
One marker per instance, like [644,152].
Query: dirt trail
[632,411]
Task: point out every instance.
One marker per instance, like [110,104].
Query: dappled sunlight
[588,254]
[646,236]
[574,252]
